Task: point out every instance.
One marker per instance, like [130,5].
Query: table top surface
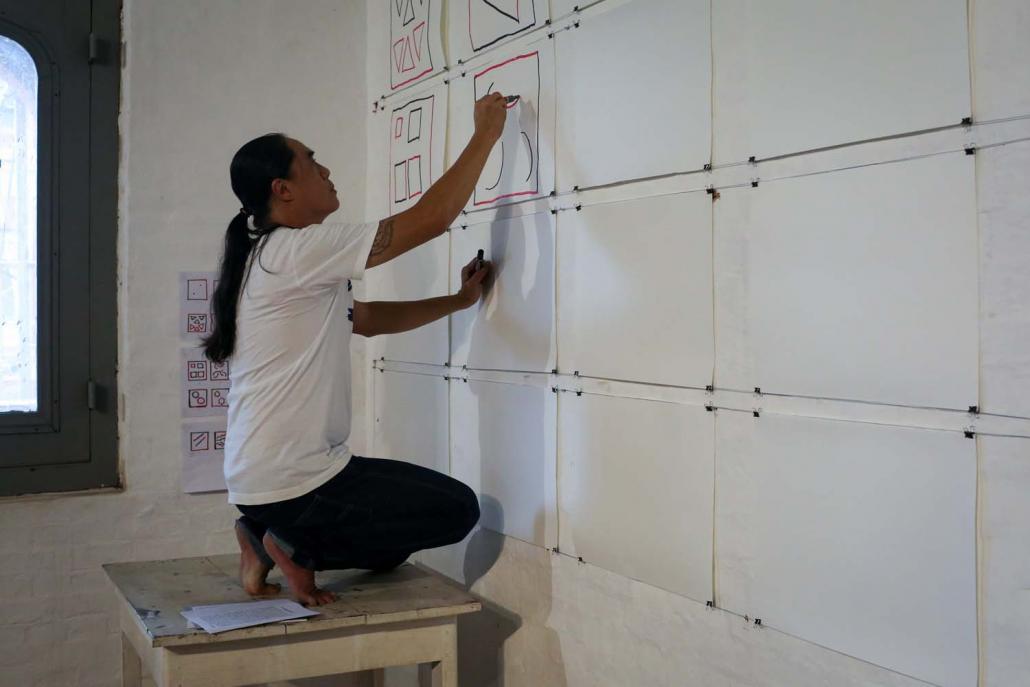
[155,592]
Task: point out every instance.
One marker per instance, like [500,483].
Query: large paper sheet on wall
[418,274]
[859,284]
[521,164]
[858,537]
[1004,206]
[476,26]
[635,290]
[203,452]
[503,446]
[795,75]
[513,327]
[634,93]
[416,45]
[411,419]
[635,489]
[417,133]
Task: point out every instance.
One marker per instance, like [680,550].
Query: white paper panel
[859,284]
[1001,58]
[635,290]
[635,489]
[857,537]
[380,171]
[503,446]
[203,455]
[475,26]
[420,273]
[634,93]
[512,328]
[521,164]
[1005,529]
[411,419]
[1004,177]
[417,133]
[416,45]
[799,74]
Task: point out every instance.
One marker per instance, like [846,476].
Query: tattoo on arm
[383,237]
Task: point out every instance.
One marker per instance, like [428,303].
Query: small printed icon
[196,289]
[199,441]
[196,323]
[198,398]
[220,371]
[219,398]
[196,370]
[220,441]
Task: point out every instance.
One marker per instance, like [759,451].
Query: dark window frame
[29,472]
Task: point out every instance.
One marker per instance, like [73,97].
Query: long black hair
[253,168]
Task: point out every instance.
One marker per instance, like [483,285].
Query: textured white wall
[551,620]
[200,78]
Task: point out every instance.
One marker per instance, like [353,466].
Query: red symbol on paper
[198,398]
[219,441]
[196,323]
[199,441]
[219,398]
[220,371]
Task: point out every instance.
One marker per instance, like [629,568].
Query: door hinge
[94,47]
[91,395]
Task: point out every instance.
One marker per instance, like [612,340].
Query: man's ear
[281,190]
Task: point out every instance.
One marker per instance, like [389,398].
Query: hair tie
[253,232]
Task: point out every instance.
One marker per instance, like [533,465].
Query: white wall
[877,288]
[200,79]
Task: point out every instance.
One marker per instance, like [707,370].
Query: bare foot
[252,571]
[300,580]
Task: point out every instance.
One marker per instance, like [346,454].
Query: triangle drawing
[508,8]
[409,13]
[416,35]
[407,65]
[398,53]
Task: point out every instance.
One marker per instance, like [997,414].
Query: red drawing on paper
[198,398]
[196,370]
[411,152]
[219,441]
[219,398]
[199,441]
[411,55]
[196,323]
[491,21]
[513,168]
[220,371]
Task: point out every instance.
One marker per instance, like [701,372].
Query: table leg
[378,677]
[132,670]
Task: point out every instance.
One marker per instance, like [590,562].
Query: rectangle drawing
[852,535]
[205,385]
[513,168]
[413,41]
[416,147]
[202,448]
[503,446]
[635,489]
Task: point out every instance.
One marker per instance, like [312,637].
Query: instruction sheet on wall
[204,388]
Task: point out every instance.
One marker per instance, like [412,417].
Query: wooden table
[403,617]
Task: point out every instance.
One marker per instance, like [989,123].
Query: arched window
[19,133]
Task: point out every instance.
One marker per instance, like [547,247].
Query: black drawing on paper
[491,21]
[411,150]
[512,170]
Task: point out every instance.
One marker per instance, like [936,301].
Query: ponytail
[252,171]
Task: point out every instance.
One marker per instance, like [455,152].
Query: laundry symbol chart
[411,55]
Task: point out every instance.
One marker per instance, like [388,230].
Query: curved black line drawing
[529,151]
[500,171]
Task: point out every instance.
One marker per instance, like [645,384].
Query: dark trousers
[372,515]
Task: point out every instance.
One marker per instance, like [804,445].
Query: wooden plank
[155,592]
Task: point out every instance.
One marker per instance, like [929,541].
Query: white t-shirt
[290,397]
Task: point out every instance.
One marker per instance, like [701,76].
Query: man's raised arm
[440,205]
